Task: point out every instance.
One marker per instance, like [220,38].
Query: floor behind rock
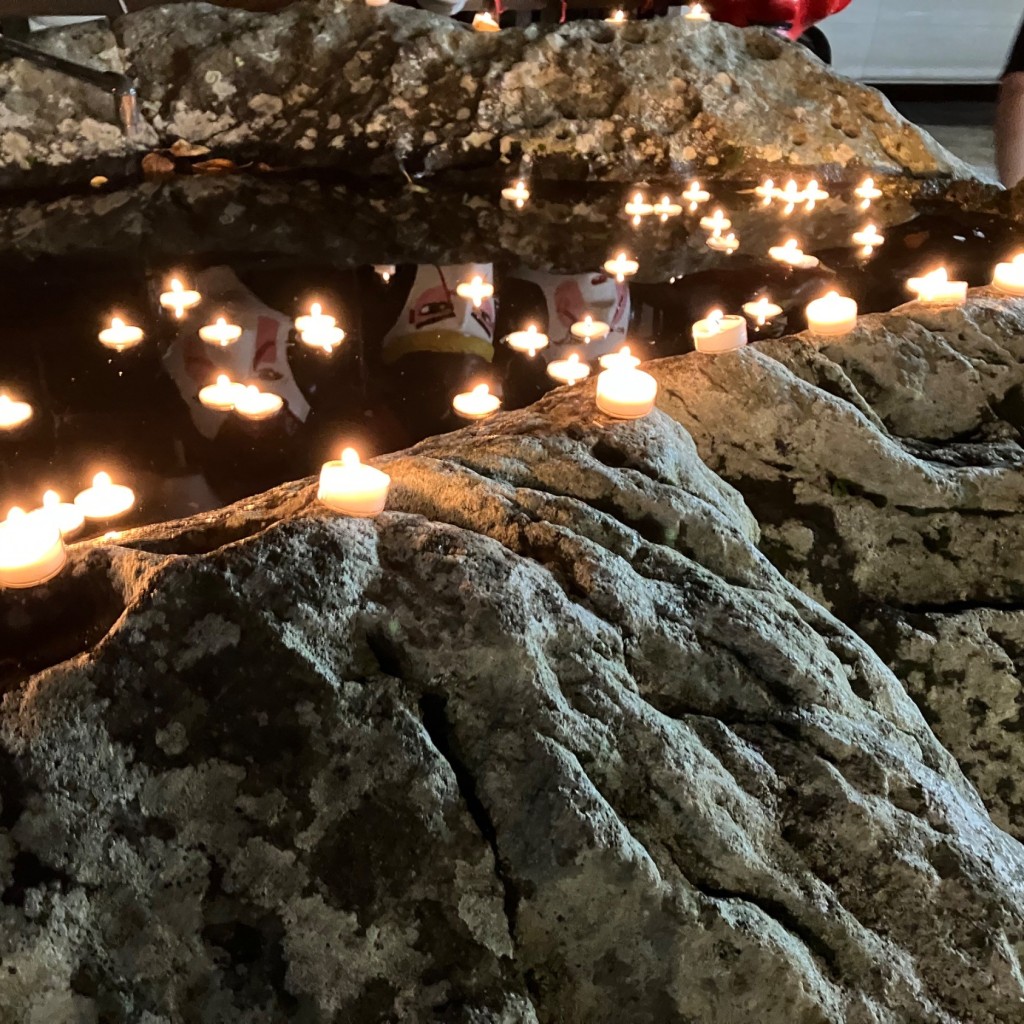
[965,128]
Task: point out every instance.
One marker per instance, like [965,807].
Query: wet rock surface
[394,90]
[551,739]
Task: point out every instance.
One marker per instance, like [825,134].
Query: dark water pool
[67,265]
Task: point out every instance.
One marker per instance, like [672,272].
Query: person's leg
[1010,118]
[817,42]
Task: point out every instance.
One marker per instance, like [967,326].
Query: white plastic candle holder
[13,413]
[832,314]
[625,392]
[105,499]
[220,333]
[253,404]
[1009,277]
[529,341]
[349,486]
[119,335]
[31,550]
[719,332]
[936,289]
[570,370]
[476,404]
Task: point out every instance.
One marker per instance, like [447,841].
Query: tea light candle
[179,298]
[866,191]
[697,13]
[621,267]
[695,195]
[623,357]
[349,486]
[868,239]
[220,333]
[719,333]
[222,395]
[477,404]
[376,3]
[793,256]
[616,17]
[68,518]
[253,404]
[484,21]
[325,338]
[832,314]
[1009,277]
[665,208]
[813,193]
[589,329]
[120,335]
[12,413]
[638,207]
[529,341]
[766,190]
[723,243]
[762,310]
[936,289]
[570,370]
[315,319]
[716,223]
[385,271]
[790,195]
[476,290]
[105,499]
[517,193]
[31,549]
[625,392]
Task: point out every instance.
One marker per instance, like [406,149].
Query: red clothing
[800,14]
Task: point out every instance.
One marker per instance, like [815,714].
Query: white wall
[924,40]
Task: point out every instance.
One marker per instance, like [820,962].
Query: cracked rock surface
[550,740]
[885,471]
[372,91]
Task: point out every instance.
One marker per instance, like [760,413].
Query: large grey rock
[550,740]
[376,90]
[885,470]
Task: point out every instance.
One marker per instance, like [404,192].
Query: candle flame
[176,285]
[223,381]
[349,458]
[116,323]
[221,322]
[624,351]
[481,389]
[573,358]
[1018,260]
[716,315]
[316,309]
[51,498]
[101,480]
[5,399]
[15,513]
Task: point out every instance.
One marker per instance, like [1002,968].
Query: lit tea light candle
[936,289]
[517,193]
[222,395]
[220,333]
[625,392]
[31,549]
[832,314]
[866,191]
[762,310]
[638,207]
[68,518]
[477,404]
[665,208]
[695,195]
[813,193]
[105,499]
[385,271]
[529,341]
[476,290]
[1009,277]
[119,335]
[570,370]
[723,243]
[327,339]
[13,413]
[376,3]
[623,357]
[349,486]
[178,298]
[617,17]
[697,13]
[792,255]
[766,191]
[718,332]
[253,404]
[716,223]
[484,21]
[315,319]
[868,239]
[621,267]
[589,329]
[790,195]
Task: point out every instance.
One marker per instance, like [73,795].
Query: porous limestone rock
[885,470]
[379,91]
[549,740]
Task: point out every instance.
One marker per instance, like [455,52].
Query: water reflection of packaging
[571,297]
[435,319]
[260,356]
